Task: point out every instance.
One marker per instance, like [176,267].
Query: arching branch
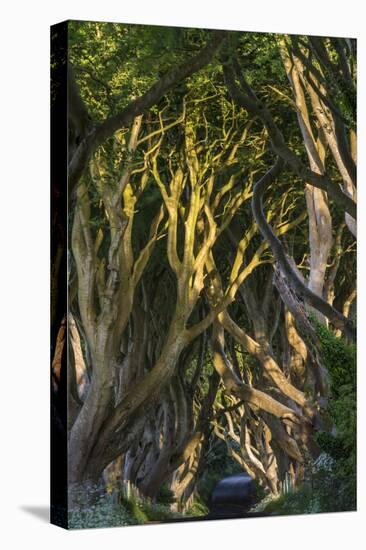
[254,106]
[338,320]
[106,129]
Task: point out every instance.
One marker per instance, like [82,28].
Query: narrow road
[231,498]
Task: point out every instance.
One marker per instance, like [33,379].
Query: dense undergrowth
[330,485]
[109,512]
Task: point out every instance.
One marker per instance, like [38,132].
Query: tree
[191,314]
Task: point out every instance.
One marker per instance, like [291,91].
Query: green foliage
[326,491]
[302,501]
[197,508]
[114,62]
[107,512]
[144,511]
[165,495]
[104,513]
[340,360]
[259,493]
[331,485]
[134,506]
[330,444]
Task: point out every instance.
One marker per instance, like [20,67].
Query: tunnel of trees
[211,253]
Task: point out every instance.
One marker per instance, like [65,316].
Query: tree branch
[254,106]
[338,320]
[107,128]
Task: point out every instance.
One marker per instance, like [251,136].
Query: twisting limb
[239,389]
[255,107]
[333,126]
[338,320]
